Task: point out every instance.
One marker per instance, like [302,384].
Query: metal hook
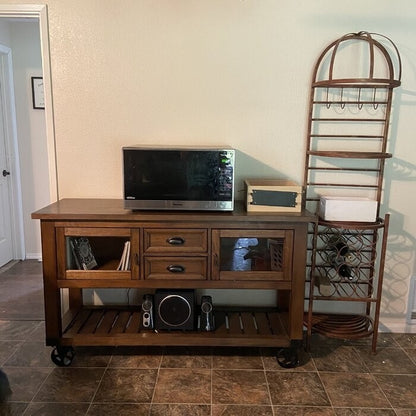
[341,97]
[375,105]
[328,104]
[359,104]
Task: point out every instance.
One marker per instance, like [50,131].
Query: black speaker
[147,312]
[174,309]
[207,316]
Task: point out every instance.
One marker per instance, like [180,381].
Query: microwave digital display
[199,179]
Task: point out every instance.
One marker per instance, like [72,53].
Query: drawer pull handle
[176,241]
[175,268]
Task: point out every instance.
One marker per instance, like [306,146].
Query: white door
[6,244]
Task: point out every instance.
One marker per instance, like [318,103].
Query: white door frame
[12,152]
[40,12]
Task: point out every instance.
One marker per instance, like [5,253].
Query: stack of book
[125,257]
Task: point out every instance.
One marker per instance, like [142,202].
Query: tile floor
[337,378]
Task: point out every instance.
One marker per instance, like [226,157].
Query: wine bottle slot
[345,271]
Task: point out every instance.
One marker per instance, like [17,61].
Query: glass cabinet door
[252,254]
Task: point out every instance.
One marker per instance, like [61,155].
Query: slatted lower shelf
[120,326]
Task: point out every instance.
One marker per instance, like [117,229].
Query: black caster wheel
[288,357]
[62,356]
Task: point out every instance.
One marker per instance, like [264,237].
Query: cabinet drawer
[175,241]
[176,268]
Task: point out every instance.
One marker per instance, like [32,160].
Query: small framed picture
[38,94]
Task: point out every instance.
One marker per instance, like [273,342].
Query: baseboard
[34,256]
[397,327]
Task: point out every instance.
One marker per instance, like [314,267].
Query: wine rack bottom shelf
[341,326]
[122,326]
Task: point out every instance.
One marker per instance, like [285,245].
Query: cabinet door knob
[5,172]
[176,241]
[175,268]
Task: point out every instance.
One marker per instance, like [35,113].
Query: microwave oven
[178,178]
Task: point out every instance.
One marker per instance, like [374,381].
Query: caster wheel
[62,356]
[288,357]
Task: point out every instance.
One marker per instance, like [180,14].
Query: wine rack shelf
[343,326]
[344,259]
[349,118]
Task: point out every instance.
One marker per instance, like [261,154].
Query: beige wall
[233,72]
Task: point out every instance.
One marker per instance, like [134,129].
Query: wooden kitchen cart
[210,250]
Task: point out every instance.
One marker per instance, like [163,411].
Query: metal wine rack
[349,118]
[345,267]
